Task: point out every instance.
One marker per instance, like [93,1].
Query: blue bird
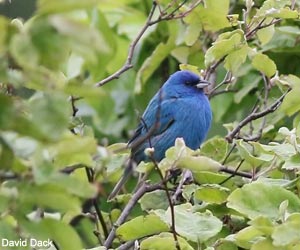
[179,109]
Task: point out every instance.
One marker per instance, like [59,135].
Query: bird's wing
[157,118]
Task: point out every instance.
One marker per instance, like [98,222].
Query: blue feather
[179,109]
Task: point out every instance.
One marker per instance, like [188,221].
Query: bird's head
[186,80]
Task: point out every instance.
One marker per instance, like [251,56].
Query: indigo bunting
[179,109]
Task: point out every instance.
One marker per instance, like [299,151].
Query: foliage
[69,88]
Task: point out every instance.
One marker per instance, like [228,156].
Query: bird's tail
[127,172]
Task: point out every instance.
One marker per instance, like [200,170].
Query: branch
[254,116]
[252,32]
[144,188]
[128,64]
[90,177]
[149,22]
[227,79]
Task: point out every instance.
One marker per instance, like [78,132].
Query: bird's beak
[202,84]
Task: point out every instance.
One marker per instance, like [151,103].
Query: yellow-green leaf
[141,226]
[264,64]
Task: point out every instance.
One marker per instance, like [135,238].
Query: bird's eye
[190,83]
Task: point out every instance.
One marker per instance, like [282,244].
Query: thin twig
[256,137]
[149,22]
[227,170]
[227,79]
[233,174]
[254,116]
[223,91]
[212,68]
[171,15]
[72,168]
[128,63]
[126,245]
[90,177]
[252,32]
[229,153]
[74,108]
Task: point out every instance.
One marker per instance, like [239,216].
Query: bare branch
[252,32]
[128,63]
[149,22]
[227,79]
[254,116]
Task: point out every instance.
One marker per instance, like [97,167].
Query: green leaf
[73,149]
[53,49]
[23,51]
[50,114]
[164,241]
[200,226]
[265,244]
[244,238]
[84,40]
[284,13]
[49,229]
[259,199]
[56,6]
[205,177]
[199,163]
[264,64]
[265,35]
[161,51]
[291,104]
[4,202]
[236,58]
[141,226]
[252,80]
[7,230]
[215,148]
[253,153]
[212,193]
[46,196]
[6,111]
[213,15]
[270,6]
[154,200]
[72,185]
[188,191]
[287,232]
[292,163]
[3,35]
[263,224]
[226,43]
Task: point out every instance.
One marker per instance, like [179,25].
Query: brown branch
[227,79]
[128,64]
[254,116]
[212,68]
[172,16]
[266,89]
[144,188]
[234,173]
[252,32]
[149,22]
[71,169]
